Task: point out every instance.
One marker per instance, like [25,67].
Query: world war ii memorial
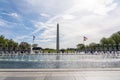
[59,40]
[96,64]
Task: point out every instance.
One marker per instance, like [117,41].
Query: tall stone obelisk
[57,39]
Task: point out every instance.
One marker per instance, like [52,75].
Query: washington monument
[57,39]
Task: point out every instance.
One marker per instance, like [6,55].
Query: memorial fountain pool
[70,61]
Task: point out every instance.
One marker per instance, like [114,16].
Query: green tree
[24,45]
[81,47]
[104,41]
[116,37]
[2,41]
[35,45]
[92,46]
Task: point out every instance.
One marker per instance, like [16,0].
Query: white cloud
[2,23]
[39,26]
[45,15]
[5,24]
[77,18]
[21,37]
[15,15]
[45,40]
[68,17]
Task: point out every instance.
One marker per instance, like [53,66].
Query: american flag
[85,38]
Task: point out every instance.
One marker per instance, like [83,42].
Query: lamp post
[114,47]
[6,47]
[0,48]
[105,48]
[110,47]
[119,47]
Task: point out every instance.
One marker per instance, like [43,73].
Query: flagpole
[31,49]
[83,42]
[33,41]
[84,39]
[32,44]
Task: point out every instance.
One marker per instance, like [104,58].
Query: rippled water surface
[60,61]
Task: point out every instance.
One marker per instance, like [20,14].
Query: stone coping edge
[59,70]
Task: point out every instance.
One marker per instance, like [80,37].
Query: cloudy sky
[21,19]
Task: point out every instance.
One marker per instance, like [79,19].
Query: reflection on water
[60,61]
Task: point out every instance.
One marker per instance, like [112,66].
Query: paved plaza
[81,74]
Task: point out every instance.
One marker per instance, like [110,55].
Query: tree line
[112,42]
[9,44]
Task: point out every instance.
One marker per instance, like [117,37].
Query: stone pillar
[57,38]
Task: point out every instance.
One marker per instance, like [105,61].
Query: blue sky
[21,19]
